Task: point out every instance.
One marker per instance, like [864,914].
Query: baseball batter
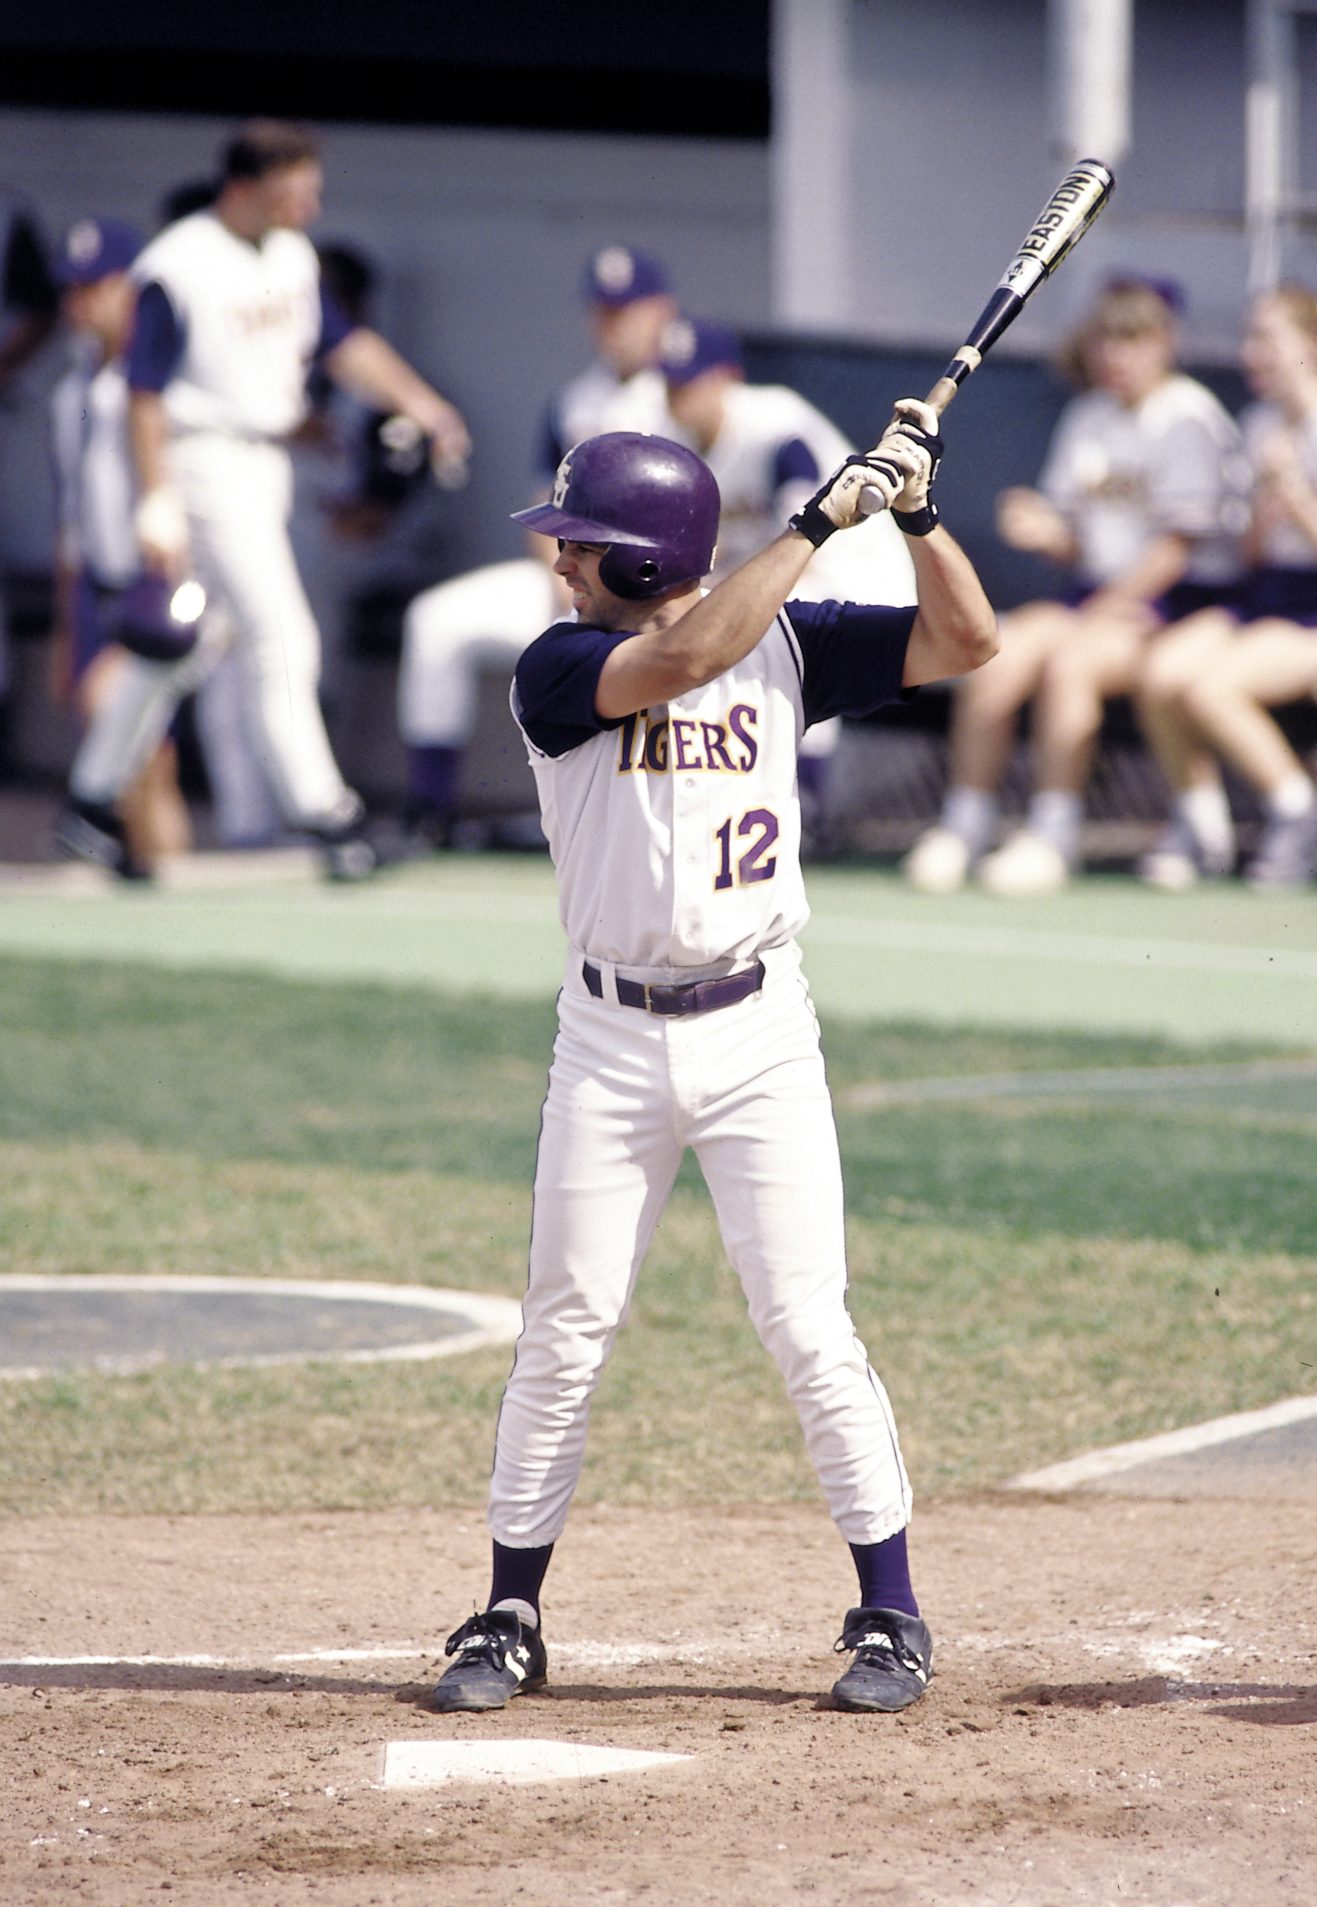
[663,726]
[230,317]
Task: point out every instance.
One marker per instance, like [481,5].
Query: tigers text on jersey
[250,318]
[675,833]
[1171,465]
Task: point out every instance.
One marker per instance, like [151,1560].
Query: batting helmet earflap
[159,619]
[654,503]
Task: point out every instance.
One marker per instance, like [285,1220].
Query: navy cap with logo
[690,346]
[94,248]
[618,276]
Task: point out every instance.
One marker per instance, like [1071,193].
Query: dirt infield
[1124,1710]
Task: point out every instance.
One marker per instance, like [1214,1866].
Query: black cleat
[91,831]
[893,1661]
[498,1656]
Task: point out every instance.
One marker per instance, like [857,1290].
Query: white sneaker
[938,862]
[1027,864]
[1177,861]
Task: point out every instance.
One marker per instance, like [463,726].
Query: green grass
[1032,1277]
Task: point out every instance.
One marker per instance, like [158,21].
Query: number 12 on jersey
[758,829]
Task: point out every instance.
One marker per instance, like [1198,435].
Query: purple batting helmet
[651,501]
[159,619]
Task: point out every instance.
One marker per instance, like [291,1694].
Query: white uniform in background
[488,615]
[1171,465]
[95,488]
[248,319]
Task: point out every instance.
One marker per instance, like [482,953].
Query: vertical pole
[1091,49]
[1270,139]
[812,164]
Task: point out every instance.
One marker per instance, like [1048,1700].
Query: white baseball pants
[744,1086]
[488,615]
[238,496]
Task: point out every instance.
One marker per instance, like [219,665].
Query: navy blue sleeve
[795,462]
[335,323]
[552,450]
[555,685]
[854,656]
[155,349]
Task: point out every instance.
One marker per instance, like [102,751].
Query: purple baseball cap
[93,248]
[692,345]
[618,276]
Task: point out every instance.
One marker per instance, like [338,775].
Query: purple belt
[700,996]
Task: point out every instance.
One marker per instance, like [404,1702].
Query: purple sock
[433,774]
[518,1574]
[884,1572]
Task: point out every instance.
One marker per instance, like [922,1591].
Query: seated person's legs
[1199,837]
[1076,680]
[983,725]
[1269,664]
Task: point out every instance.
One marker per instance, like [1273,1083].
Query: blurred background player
[96,548]
[1140,499]
[489,615]
[29,308]
[231,315]
[628,301]
[1207,686]
[769,449]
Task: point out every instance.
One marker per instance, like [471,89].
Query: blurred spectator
[1140,500]
[29,307]
[1207,686]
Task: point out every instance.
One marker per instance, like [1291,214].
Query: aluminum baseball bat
[1056,231]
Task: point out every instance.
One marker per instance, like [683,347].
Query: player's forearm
[716,632]
[365,364]
[955,629]
[148,434]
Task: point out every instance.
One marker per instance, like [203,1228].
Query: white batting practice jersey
[95,488]
[1284,543]
[599,400]
[773,451]
[1171,465]
[675,833]
[249,318]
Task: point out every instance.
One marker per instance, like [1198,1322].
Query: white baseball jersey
[1285,545]
[676,833]
[599,400]
[1171,465]
[773,451]
[95,485]
[250,317]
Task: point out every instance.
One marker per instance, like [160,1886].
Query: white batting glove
[915,426]
[160,523]
[839,504]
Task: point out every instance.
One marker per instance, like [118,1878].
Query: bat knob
[872,501]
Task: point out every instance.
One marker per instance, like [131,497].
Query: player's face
[578,565]
[1131,365]
[627,336]
[104,308]
[1276,351]
[290,196]
[697,405]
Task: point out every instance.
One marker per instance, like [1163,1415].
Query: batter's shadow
[603,1696]
[1266,1704]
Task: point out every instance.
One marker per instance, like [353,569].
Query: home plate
[432,1764]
